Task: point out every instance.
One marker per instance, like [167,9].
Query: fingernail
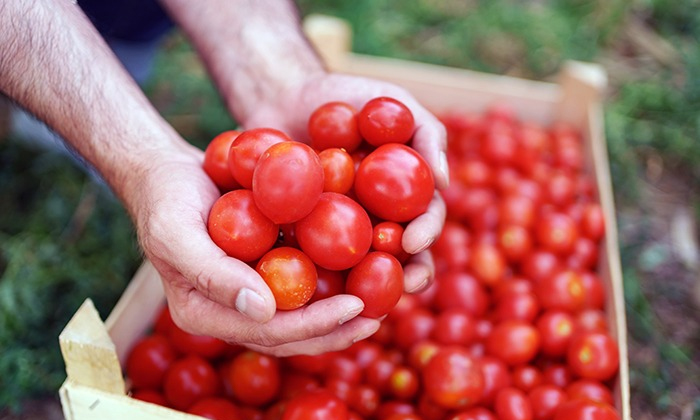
[427,244]
[352,313]
[251,304]
[419,286]
[366,334]
[444,168]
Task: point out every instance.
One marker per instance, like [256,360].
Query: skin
[55,64]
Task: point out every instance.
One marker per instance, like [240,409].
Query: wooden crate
[94,351]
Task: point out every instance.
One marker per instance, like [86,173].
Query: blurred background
[64,238]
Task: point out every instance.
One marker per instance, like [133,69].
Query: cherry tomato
[378,280]
[557,232]
[523,306]
[334,125]
[454,326]
[488,264]
[338,170]
[515,242]
[329,283]
[476,413]
[364,400]
[247,148]
[512,404]
[451,249]
[163,322]
[404,382]
[589,389]
[386,237]
[253,378]
[337,234]
[291,276]
[513,341]
[216,160]
[453,379]
[564,290]
[315,405]
[385,120]
[556,328]
[150,395]
[287,181]
[593,355]
[544,400]
[526,377]
[460,289]
[149,360]
[394,183]
[200,345]
[418,324]
[188,380]
[593,222]
[238,227]
[540,264]
[215,408]
[496,377]
[585,410]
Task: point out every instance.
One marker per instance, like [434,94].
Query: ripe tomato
[385,120]
[404,382]
[513,341]
[585,410]
[329,283]
[476,413]
[515,242]
[188,380]
[593,222]
[253,378]
[290,274]
[337,234]
[238,227]
[394,183]
[451,249]
[512,404]
[539,265]
[364,400]
[319,404]
[338,170]
[415,326]
[216,160]
[488,264]
[215,408]
[149,360]
[150,395]
[200,345]
[453,378]
[564,290]
[334,124]
[593,355]
[523,306]
[557,232]
[556,328]
[378,281]
[460,289]
[386,237]
[496,377]
[247,148]
[287,181]
[454,326]
[545,399]
[526,377]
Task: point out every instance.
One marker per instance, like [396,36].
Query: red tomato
[461,290]
[149,360]
[512,404]
[545,399]
[499,145]
[293,383]
[593,290]
[417,325]
[451,249]
[378,372]
[515,242]
[453,379]
[291,276]
[560,189]
[386,237]
[345,368]
[388,408]
[526,377]
[215,408]
[539,265]
[564,290]
[556,328]
[593,222]
[593,355]
[287,181]
[476,413]
[253,378]
[188,380]
[150,395]
[216,160]
[238,227]
[513,341]
[329,283]
[404,382]
[334,125]
[364,400]
[421,352]
[200,345]
[487,264]
[338,170]
[385,120]
[337,234]
[163,321]
[586,410]
[557,374]
[523,306]
[247,148]
[496,377]
[454,326]
[589,389]
[378,281]
[591,320]
[315,405]
[473,172]
[557,232]
[394,183]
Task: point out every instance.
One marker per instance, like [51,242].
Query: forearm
[55,64]
[254,49]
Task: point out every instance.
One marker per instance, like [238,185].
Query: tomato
[515,242]
[150,395]
[593,290]
[315,405]
[188,380]
[200,345]
[593,222]
[420,352]
[523,306]
[556,373]
[453,379]
[560,189]
[476,413]
[334,125]
[394,183]
[593,355]
[388,408]
[586,410]
[344,367]
[287,181]
[556,328]
[385,120]
[459,289]
[591,320]
[499,146]
[378,372]
[526,377]
[364,400]
[513,341]
[293,383]
[415,326]
[216,160]
[488,264]
[564,290]
[378,280]
[454,326]
[149,360]
[253,378]
[473,172]
[404,382]
[386,237]
[315,364]
[584,254]
[215,408]
[247,148]
[557,232]
[163,321]
[539,265]
[496,377]
[338,170]
[337,234]
[291,276]
[328,283]
[451,249]
[512,404]
[545,399]
[238,227]
[589,389]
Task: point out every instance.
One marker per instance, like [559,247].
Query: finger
[419,272]
[430,141]
[339,339]
[422,231]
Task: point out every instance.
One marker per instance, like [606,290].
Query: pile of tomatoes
[513,328]
[325,218]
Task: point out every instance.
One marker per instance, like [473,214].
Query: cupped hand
[290,112]
[210,293]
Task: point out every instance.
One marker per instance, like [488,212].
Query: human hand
[212,294]
[290,110]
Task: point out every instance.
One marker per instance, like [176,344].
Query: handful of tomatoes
[513,328]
